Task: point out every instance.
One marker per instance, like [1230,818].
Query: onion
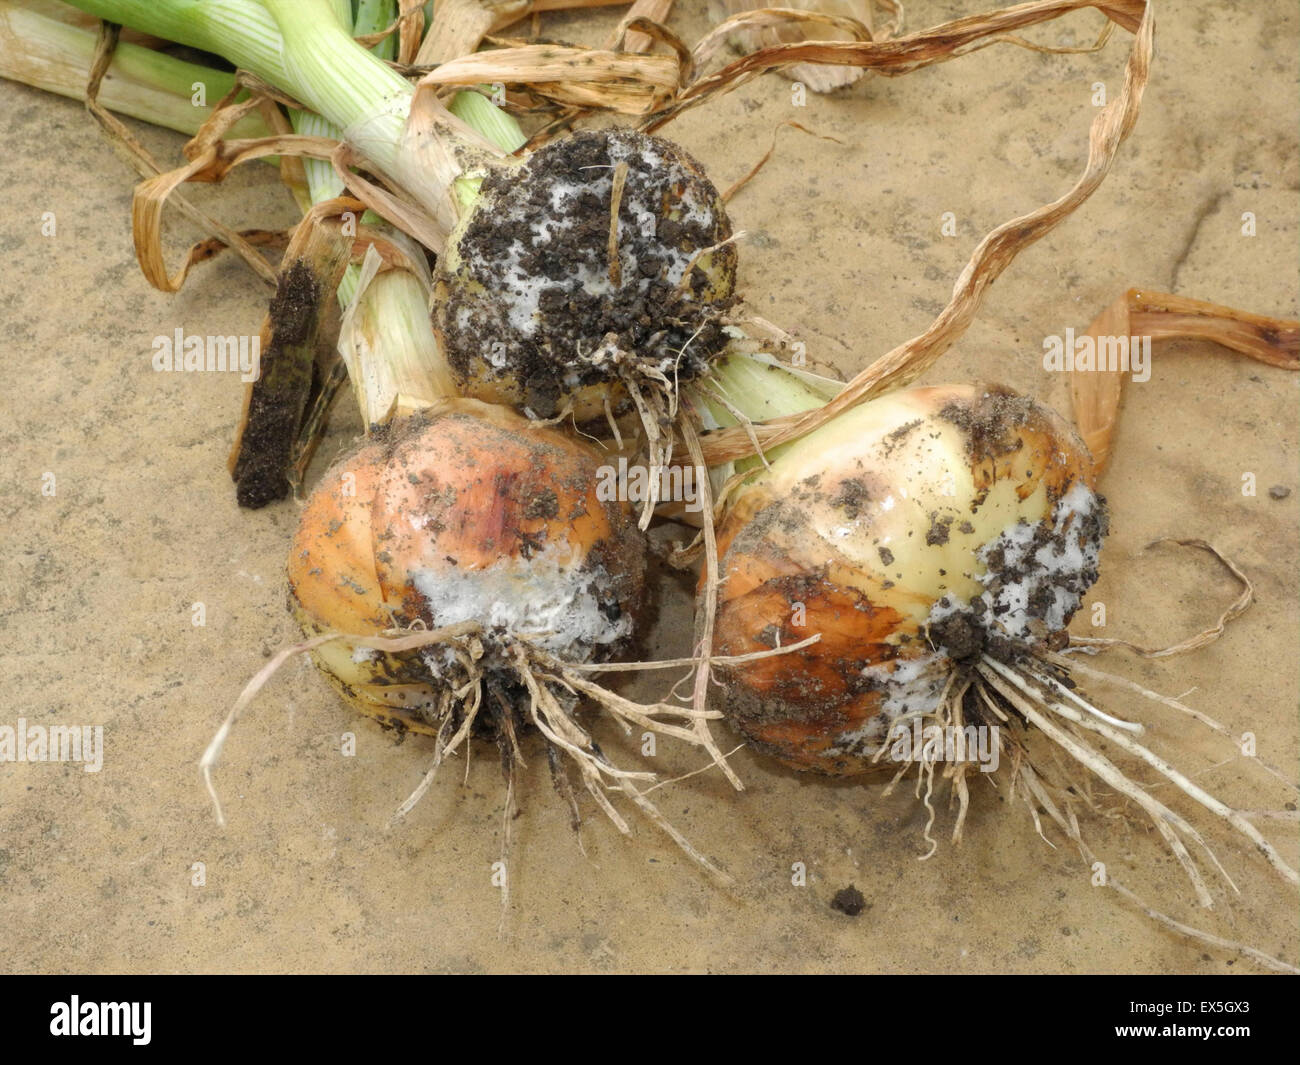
[602,256]
[914,533]
[462,517]
[456,573]
[937,541]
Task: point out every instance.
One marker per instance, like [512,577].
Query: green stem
[760,388]
[301,47]
[334,76]
[373,16]
[142,83]
[241,31]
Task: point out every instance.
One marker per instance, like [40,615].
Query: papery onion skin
[913,520]
[523,297]
[471,514]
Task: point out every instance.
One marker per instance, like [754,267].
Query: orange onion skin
[835,540]
[444,501]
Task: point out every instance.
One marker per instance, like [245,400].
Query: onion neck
[303,48]
[757,388]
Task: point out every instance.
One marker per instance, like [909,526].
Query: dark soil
[544,228]
[849,901]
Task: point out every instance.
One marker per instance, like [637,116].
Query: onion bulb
[602,258]
[462,518]
[456,573]
[915,534]
[935,543]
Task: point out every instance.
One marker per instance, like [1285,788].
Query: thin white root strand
[557,727]
[439,748]
[1083,704]
[692,773]
[704,648]
[1070,827]
[679,663]
[213,752]
[1074,665]
[1266,960]
[1161,816]
[1199,794]
[1146,755]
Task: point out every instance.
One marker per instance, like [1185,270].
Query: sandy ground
[97,582]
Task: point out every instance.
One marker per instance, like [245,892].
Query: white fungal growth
[555,600]
[520,289]
[1035,572]
[1062,568]
[909,685]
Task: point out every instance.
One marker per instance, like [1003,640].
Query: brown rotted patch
[990,424]
[567,188]
[1011,437]
[794,706]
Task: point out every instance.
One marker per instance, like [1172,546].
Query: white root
[710,601]
[380,643]
[1075,666]
[741,418]
[559,728]
[1191,788]
[1143,753]
[556,725]
[657,453]
[1038,791]
[1083,704]
[439,748]
[678,663]
[1016,689]
[1161,816]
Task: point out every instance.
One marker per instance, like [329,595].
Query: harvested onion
[915,534]
[467,516]
[455,575]
[937,541]
[601,260]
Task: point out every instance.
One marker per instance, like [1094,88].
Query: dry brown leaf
[1161,316]
[147,167]
[645,29]
[410,29]
[655,10]
[460,26]
[210,159]
[817,78]
[624,82]
[440,147]
[766,26]
[1200,639]
[890,57]
[736,186]
[995,252]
